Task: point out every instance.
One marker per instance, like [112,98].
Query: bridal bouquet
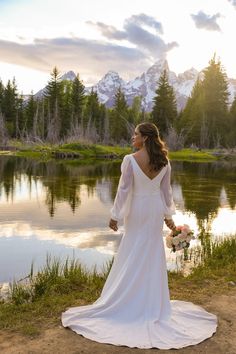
[179,238]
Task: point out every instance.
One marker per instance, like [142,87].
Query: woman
[134,308]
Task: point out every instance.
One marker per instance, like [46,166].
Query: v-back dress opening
[134,308]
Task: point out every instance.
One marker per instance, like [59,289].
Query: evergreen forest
[66,113]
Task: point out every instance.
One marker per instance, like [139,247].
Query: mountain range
[145,85]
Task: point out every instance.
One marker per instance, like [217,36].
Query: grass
[40,301]
[193,155]
[48,292]
[56,278]
[87,150]
[96,149]
[216,267]
[83,149]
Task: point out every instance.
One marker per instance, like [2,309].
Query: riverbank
[82,151]
[36,306]
[54,339]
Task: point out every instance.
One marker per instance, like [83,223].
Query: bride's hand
[170,223]
[113,224]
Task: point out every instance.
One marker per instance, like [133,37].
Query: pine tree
[135,112]
[231,135]
[9,107]
[190,119]
[164,112]
[1,95]
[30,110]
[42,128]
[20,118]
[53,95]
[215,100]
[119,119]
[78,101]
[205,117]
[3,131]
[92,117]
[66,112]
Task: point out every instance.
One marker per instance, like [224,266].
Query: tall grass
[215,258]
[40,300]
[58,277]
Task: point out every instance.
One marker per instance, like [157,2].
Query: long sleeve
[166,194]
[123,194]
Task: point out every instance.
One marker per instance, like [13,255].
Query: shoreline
[60,284]
[80,152]
[54,338]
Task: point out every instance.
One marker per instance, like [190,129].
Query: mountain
[107,87]
[145,85]
[69,75]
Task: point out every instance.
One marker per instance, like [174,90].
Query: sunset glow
[128,37]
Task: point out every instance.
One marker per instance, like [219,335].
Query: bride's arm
[119,208]
[167,198]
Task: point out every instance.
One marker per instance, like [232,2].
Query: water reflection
[63,209]
[61,182]
[206,190]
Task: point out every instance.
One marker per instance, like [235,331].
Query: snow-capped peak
[70,76]
[145,85]
[189,74]
[158,67]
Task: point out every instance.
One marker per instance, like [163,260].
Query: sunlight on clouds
[94,238]
[24,21]
[23,191]
[224,223]
[26,78]
[181,218]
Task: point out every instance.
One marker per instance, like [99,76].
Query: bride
[134,308]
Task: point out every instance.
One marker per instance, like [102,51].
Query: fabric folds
[134,308]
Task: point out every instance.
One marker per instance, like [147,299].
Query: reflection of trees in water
[60,187]
[62,181]
[202,184]
[7,177]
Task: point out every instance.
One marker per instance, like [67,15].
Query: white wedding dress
[134,308]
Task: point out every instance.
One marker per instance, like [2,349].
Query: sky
[92,37]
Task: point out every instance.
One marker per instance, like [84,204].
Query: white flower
[176,240]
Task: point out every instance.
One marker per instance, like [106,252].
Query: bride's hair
[156,148]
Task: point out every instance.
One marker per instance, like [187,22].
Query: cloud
[128,51]
[233,2]
[143,19]
[134,32]
[109,32]
[88,57]
[206,22]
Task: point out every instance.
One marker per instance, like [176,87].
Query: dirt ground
[59,340]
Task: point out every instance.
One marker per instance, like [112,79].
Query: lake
[62,209]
